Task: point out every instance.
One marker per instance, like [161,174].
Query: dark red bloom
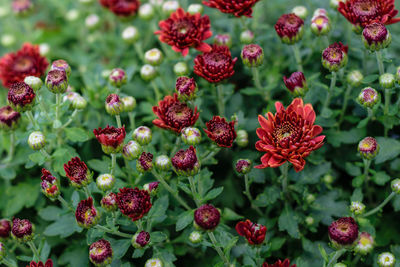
[5,228]
[343,232]
[133,203]
[22,229]
[289,135]
[144,162]
[27,61]
[174,115]
[361,13]
[334,57]
[110,138]
[185,162]
[109,202]
[86,214]
[207,217]
[141,239]
[100,253]
[289,27]
[236,7]
[77,171]
[122,8]
[21,96]
[279,263]
[49,263]
[21,7]
[183,30]
[220,131]
[49,184]
[216,65]
[8,117]
[253,232]
[296,83]
[186,88]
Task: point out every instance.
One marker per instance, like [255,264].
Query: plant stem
[114,232]
[256,77]
[139,51]
[118,118]
[44,153]
[12,147]
[65,203]
[285,170]
[156,91]
[335,257]
[370,113]
[113,163]
[221,101]
[248,194]
[70,120]
[386,109]
[32,119]
[58,102]
[329,95]
[381,67]
[218,249]
[86,190]
[297,56]
[345,100]
[378,208]
[34,250]
[193,189]
[367,164]
[131,116]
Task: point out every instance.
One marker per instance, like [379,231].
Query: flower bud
[148,72]
[357,207]
[78,173]
[61,65]
[169,7]
[50,186]
[101,253]
[129,103]
[154,262]
[395,185]
[386,259]
[398,75]
[191,136]
[186,88]
[9,118]
[181,69]
[109,202]
[334,4]
[365,244]
[21,97]
[243,166]
[335,57]
[22,8]
[140,240]
[79,102]
[117,77]
[195,237]
[146,11]
[154,57]
[2,251]
[185,162]
[246,37]
[131,150]
[34,82]
[354,78]
[86,2]
[300,11]
[343,233]
[22,230]
[206,217]
[86,214]
[114,105]
[320,12]
[145,162]
[368,97]
[387,80]
[368,148]
[290,28]
[105,182]
[310,198]
[328,178]
[110,138]
[142,135]
[7,40]
[320,25]
[340,264]
[36,140]
[57,81]
[242,138]
[376,37]
[162,163]
[92,21]
[151,188]
[130,34]
[5,229]
[72,15]
[309,220]
[252,55]
[223,39]
[44,49]
[296,83]
[195,8]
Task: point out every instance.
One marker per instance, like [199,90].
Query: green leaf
[76,134]
[268,197]
[20,196]
[230,215]
[7,173]
[250,91]
[230,245]
[158,237]
[158,210]
[288,222]
[185,218]
[389,149]
[75,257]
[214,193]
[63,227]
[37,157]
[50,213]
[370,79]
[381,178]
[120,247]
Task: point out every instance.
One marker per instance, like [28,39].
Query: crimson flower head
[78,173]
[109,202]
[253,232]
[27,61]
[185,162]
[207,217]
[335,57]
[21,97]
[183,30]
[22,229]
[49,185]
[186,88]
[289,135]
[8,118]
[121,8]
[100,253]
[361,13]
[215,65]
[49,263]
[174,115]
[5,228]
[134,203]
[237,8]
[296,83]
[110,138]
[343,232]
[86,214]
[289,28]
[145,162]
[279,263]
[221,132]
[141,239]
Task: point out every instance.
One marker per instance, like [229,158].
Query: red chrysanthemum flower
[5,228]
[133,203]
[122,8]
[27,61]
[216,65]
[279,263]
[86,214]
[253,232]
[185,162]
[236,7]
[207,217]
[289,135]
[100,253]
[174,115]
[360,13]
[49,263]
[343,232]
[21,96]
[22,229]
[296,83]
[110,138]
[220,131]
[289,28]
[8,118]
[77,171]
[49,184]
[183,30]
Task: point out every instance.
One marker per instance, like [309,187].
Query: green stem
[257,82]
[221,101]
[297,56]
[113,232]
[139,51]
[70,120]
[113,163]
[346,99]
[378,208]
[65,203]
[58,102]
[248,194]
[44,153]
[32,119]
[325,40]
[329,94]
[386,109]
[131,120]
[285,170]
[218,249]
[118,118]
[156,91]
[370,113]
[86,190]
[176,146]
[335,257]
[204,158]
[12,147]
[42,107]
[34,250]
[367,164]
[381,67]
[193,189]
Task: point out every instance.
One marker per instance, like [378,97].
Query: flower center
[216,60]
[19,90]
[182,27]
[284,132]
[365,8]
[179,112]
[23,64]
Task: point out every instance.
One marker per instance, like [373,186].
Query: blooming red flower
[296,83]
[77,171]
[360,13]
[183,30]
[343,232]
[253,232]
[49,263]
[220,131]
[5,228]
[21,96]
[122,8]
[174,115]
[8,118]
[334,57]
[186,88]
[289,135]
[215,65]
[86,214]
[289,28]
[109,202]
[110,138]
[133,203]
[100,253]
[22,229]
[145,162]
[27,61]
[49,184]
[279,263]
[236,7]
[207,217]
[185,162]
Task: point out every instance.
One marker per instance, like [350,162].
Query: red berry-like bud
[289,28]
[368,97]
[186,88]
[296,83]
[101,253]
[343,233]
[21,97]
[140,240]
[57,81]
[5,229]
[151,187]
[114,105]
[22,230]
[252,55]
[221,132]
[8,118]
[335,57]
[253,232]
[376,37]
[78,173]
[368,148]
[86,214]
[48,263]
[49,185]
[117,77]
[62,65]
[243,166]
[207,217]
[223,39]
[133,203]
[109,202]
[145,162]
[185,162]
[110,138]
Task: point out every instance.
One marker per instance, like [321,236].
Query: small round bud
[368,148]
[335,57]
[44,49]
[5,229]
[252,55]
[343,233]
[386,259]
[61,65]
[7,40]
[223,39]
[365,244]
[151,188]
[105,74]
[153,57]
[79,102]
[129,103]
[86,215]
[22,230]
[34,82]
[105,182]
[109,202]
[309,220]
[72,15]
[114,105]
[368,97]
[154,262]
[195,8]
[50,186]
[387,80]
[146,11]
[191,136]
[246,37]
[290,28]
[242,138]
[130,35]
[310,198]
[101,253]
[92,21]
[57,81]
[148,72]
[195,237]
[131,150]
[162,163]
[181,69]
[328,178]
[37,140]
[206,217]
[144,162]
[186,88]
[320,12]
[357,207]
[169,7]
[376,37]
[86,2]
[300,11]
[395,185]
[296,83]
[21,97]
[185,162]
[340,264]
[243,166]
[117,77]
[320,25]
[354,78]
[334,4]
[9,118]
[2,251]
[140,240]
[142,135]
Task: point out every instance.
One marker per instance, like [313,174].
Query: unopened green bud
[300,11]
[34,82]
[191,136]
[105,182]
[195,8]
[162,163]
[354,78]
[387,80]
[357,207]
[181,69]
[142,135]
[146,11]
[37,140]
[130,34]
[129,103]
[195,237]
[153,57]
[148,72]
